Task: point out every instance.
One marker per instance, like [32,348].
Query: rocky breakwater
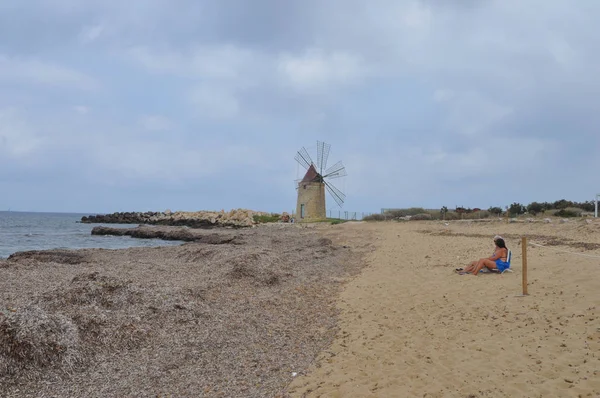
[171,233]
[201,219]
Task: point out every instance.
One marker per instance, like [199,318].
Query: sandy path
[410,327]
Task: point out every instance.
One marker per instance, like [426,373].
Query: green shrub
[396,213]
[451,215]
[495,210]
[435,214]
[516,209]
[476,215]
[413,211]
[375,217]
[421,217]
[261,219]
[535,208]
[562,204]
[569,212]
[587,206]
[336,221]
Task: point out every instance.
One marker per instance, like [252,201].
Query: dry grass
[31,339]
[229,319]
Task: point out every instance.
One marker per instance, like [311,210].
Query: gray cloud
[428,102]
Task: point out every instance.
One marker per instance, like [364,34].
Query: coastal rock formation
[201,219]
[168,233]
[49,256]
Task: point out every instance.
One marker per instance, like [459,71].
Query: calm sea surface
[40,231]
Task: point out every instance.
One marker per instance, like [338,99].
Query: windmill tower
[311,189]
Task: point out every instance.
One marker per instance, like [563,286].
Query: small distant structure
[311,189]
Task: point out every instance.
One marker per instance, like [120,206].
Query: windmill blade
[322,155]
[303,158]
[335,193]
[337,174]
[336,171]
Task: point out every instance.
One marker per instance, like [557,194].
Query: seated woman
[497,261]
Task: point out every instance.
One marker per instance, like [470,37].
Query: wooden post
[524,272]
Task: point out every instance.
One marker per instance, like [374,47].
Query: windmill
[311,189]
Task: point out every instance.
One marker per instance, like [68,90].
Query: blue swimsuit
[502,265]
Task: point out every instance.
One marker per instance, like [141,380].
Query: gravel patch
[238,318]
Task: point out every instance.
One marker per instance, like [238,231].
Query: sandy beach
[352,310]
[411,327]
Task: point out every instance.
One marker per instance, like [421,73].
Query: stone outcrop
[201,219]
[169,233]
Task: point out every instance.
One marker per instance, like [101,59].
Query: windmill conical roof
[311,174]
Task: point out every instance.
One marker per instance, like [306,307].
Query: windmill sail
[303,158]
[335,193]
[322,155]
[336,171]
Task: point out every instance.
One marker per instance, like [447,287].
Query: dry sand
[411,327]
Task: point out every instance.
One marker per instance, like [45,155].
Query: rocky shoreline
[168,233]
[239,218]
[236,313]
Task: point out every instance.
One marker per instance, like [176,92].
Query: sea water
[21,231]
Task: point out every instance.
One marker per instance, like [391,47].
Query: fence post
[524,272]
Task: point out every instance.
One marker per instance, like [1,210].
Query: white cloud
[156,160]
[213,101]
[317,69]
[499,156]
[417,16]
[32,70]
[216,59]
[17,138]
[471,113]
[225,62]
[218,74]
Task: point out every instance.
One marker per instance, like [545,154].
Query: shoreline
[236,319]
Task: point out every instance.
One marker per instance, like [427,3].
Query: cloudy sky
[112,105]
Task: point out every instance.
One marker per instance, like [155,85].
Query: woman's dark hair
[500,243]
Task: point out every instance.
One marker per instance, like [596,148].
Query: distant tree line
[562,207]
[559,208]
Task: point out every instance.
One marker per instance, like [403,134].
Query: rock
[237,218]
[182,234]
[547,220]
